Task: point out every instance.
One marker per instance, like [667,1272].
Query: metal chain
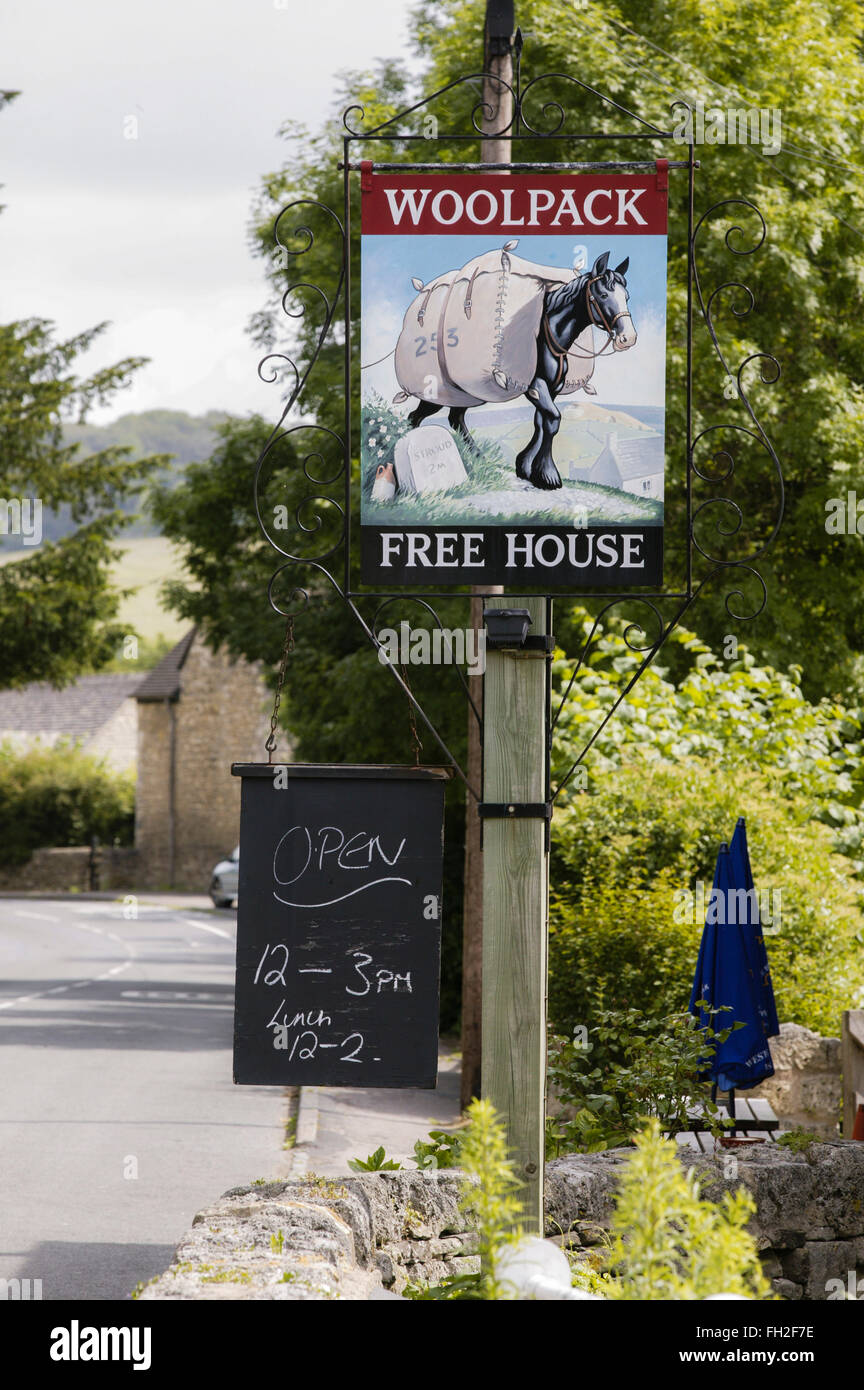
[287,649]
[416,745]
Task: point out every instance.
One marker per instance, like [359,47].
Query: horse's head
[607,301]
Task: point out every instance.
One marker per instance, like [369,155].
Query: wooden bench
[754,1119]
[853,1067]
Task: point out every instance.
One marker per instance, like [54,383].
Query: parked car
[223,884]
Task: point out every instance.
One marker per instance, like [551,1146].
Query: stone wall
[220,718]
[809,1223]
[319,1238]
[807,1086]
[367,1236]
[117,740]
[152,816]
[68,871]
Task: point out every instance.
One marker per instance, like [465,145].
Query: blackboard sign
[339,925]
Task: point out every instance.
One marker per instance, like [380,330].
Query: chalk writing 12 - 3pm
[313,857]
[362,980]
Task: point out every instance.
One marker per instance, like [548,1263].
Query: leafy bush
[667,779]
[634,1068]
[740,717]
[623,856]
[377,1162]
[489,1198]
[670,1244]
[60,796]
[441,1150]
[799,1139]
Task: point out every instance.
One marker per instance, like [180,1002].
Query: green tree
[645,55]
[57,603]
[61,795]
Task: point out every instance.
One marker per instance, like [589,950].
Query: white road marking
[169,996]
[203,926]
[34,916]
[117,969]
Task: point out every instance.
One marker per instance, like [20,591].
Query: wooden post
[515,906]
[494,150]
[472,897]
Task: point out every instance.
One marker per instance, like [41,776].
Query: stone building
[198,712]
[632,465]
[96,712]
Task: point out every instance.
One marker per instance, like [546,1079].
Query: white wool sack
[486,320]
[491,321]
[416,362]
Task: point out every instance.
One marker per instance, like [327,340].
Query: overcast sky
[129,162]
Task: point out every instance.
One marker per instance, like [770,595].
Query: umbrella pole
[730,1101]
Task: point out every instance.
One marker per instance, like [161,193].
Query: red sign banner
[446,205]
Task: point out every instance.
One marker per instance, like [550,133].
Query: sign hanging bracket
[516,810]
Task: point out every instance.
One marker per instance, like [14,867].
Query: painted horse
[599,298]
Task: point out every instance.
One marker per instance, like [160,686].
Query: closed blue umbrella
[729,986]
[754,938]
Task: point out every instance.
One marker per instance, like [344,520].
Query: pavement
[119,1119]
[335,1125]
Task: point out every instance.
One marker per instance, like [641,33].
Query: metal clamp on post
[517,810]
[538,646]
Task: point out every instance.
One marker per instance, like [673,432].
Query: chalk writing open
[316,856]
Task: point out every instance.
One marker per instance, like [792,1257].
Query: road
[119,1118]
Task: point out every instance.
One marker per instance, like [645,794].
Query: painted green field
[492,494]
[578,442]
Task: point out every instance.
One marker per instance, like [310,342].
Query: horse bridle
[561,353]
[591,301]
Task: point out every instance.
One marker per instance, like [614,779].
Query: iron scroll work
[647,628]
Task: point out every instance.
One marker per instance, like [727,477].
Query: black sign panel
[546,556]
[339,925]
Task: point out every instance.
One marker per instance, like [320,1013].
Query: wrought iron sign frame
[637,633]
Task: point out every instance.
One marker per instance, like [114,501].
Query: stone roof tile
[163,682]
[78,709]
